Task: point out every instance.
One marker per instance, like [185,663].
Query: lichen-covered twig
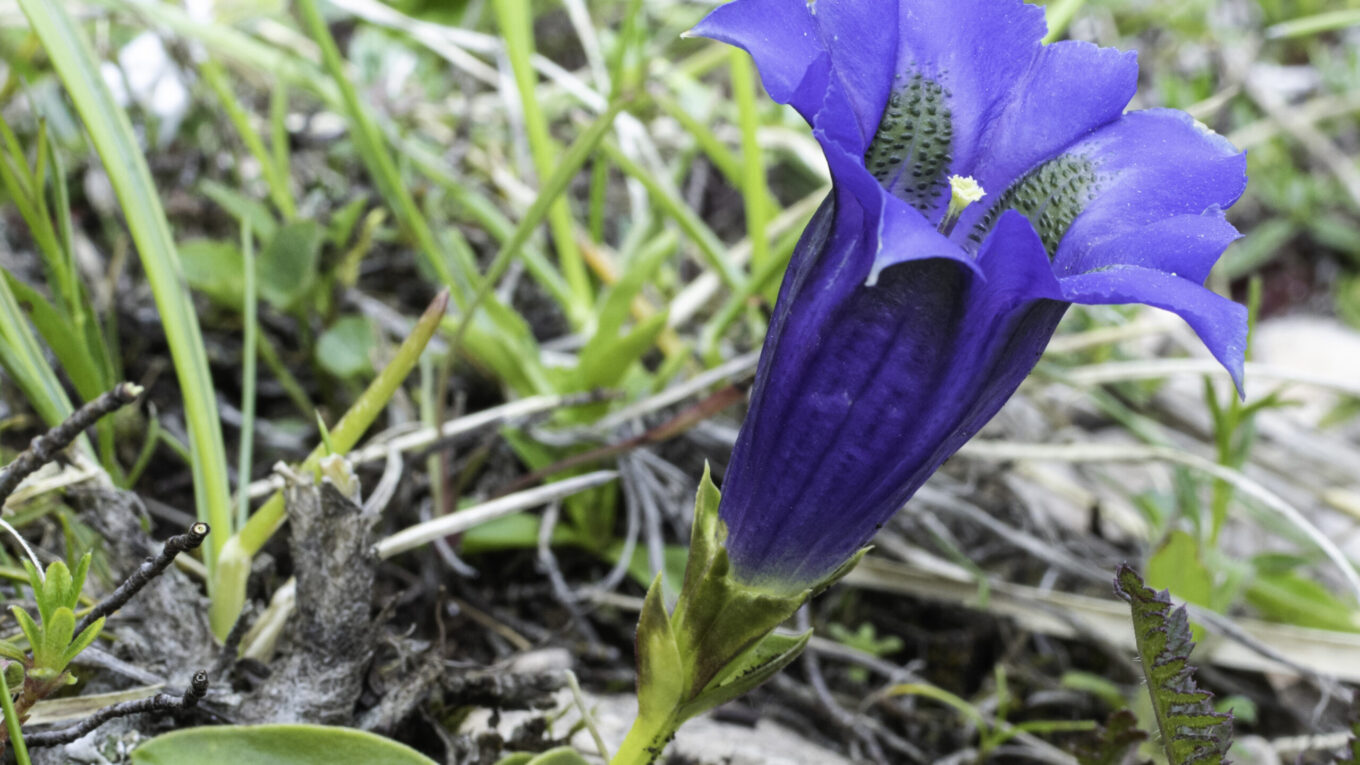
[45,447]
[150,569]
[161,702]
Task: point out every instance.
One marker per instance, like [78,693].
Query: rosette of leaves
[1193,733]
[52,639]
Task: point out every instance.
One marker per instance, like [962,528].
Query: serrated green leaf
[275,745]
[1192,732]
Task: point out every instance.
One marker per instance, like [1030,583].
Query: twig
[848,721]
[547,562]
[997,450]
[161,702]
[150,569]
[45,447]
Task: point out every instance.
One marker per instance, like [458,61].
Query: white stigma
[963,191]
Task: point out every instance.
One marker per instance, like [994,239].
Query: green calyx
[717,644]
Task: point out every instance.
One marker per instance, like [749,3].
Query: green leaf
[287,266]
[243,208]
[32,632]
[1295,599]
[78,580]
[82,641]
[14,673]
[346,349]
[1192,732]
[762,662]
[603,365]
[1177,567]
[56,638]
[707,533]
[514,532]
[562,755]
[66,342]
[214,268]
[660,670]
[56,586]
[11,651]
[275,745]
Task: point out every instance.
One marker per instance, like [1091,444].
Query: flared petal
[1072,89]
[1183,245]
[1150,166]
[863,51]
[1219,322]
[783,40]
[979,63]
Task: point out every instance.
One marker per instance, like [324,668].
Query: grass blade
[113,138]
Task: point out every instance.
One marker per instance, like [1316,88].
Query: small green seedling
[52,640]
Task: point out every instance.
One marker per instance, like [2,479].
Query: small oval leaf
[275,745]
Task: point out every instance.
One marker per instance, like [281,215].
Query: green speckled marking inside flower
[911,151]
[1052,196]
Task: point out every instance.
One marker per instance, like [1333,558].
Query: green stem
[645,741]
[16,736]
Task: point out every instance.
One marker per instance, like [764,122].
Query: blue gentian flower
[983,182]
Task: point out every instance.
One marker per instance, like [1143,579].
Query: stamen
[964,191]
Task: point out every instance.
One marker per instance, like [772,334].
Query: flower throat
[911,154]
[911,151]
